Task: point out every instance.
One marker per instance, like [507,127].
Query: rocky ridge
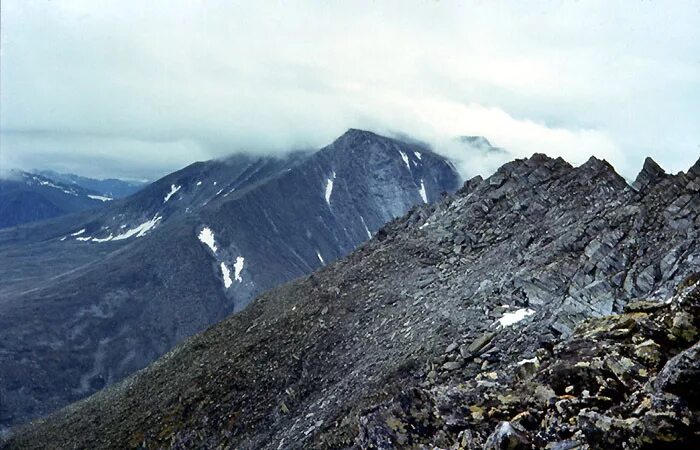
[484,289]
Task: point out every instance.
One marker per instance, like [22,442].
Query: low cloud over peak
[134,89]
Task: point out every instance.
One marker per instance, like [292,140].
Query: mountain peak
[695,168]
[478,141]
[596,166]
[650,173]
[354,134]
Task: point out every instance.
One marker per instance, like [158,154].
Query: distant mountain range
[33,196]
[27,197]
[91,297]
[108,187]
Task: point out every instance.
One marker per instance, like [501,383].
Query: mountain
[27,197]
[481,144]
[108,187]
[505,316]
[90,298]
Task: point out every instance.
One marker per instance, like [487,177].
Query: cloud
[137,89]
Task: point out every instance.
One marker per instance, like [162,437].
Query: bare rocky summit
[548,306]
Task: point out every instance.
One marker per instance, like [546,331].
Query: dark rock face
[26,197]
[89,299]
[544,307]
[651,172]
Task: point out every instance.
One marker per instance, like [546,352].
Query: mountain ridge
[118,287]
[26,197]
[454,292]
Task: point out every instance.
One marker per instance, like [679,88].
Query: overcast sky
[137,89]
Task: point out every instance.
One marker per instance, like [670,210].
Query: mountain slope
[109,187]
[26,197]
[459,292]
[136,278]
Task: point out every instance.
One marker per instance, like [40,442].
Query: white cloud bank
[137,89]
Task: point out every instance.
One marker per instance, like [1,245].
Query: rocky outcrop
[622,381]
[458,325]
[651,172]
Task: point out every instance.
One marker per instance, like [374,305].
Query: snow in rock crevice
[238,268]
[206,236]
[78,233]
[173,190]
[514,317]
[320,258]
[422,192]
[329,188]
[418,155]
[226,274]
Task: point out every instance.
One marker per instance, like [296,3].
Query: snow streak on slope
[238,267]
[140,230]
[369,234]
[206,236]
[173,190]
[329,188]
[227,276]
[405,159]
[100,197]
[422,192]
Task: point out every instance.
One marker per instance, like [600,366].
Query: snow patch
[422,192]
[219,192]
[320,258]
[100,197]
[140,230]
[206,236]
[527,361]
[369,234]
[227,276]
[405,160]
[418,155]
[48,183]
[329,189]
[238,267]
[109,238]
[516,316]
[199,183]
[173,190]
[78,233]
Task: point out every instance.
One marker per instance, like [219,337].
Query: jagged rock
[477,345]
[680,376]
[452,365]
[650,173]
[508,436]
